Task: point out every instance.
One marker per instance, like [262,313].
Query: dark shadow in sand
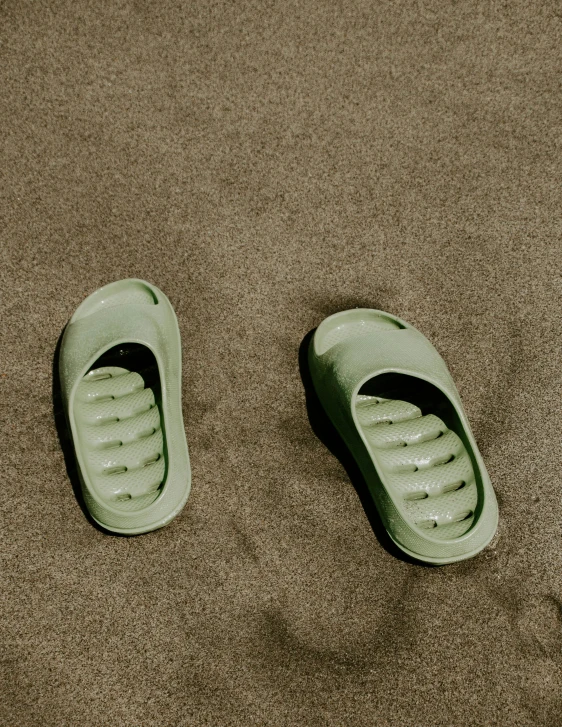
[329,436]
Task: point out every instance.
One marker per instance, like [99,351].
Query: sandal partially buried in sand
[120,372]
[389,394]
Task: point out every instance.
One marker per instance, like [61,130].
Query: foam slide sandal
[389,394]
[120,373]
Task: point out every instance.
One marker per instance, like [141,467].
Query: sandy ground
[267,164]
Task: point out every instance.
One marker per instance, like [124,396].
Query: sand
[267,164]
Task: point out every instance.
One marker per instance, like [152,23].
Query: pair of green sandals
[381,382]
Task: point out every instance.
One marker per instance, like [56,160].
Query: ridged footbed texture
[424,464]
[119,427]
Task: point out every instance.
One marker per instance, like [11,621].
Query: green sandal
[120,372]
[389,394]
